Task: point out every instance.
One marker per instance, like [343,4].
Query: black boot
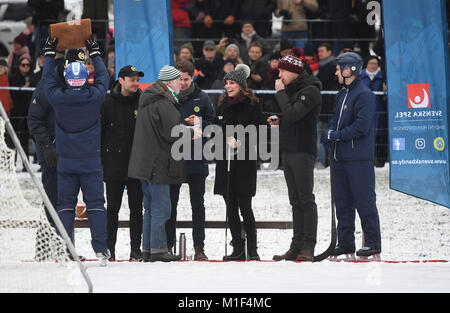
[343,250]
[238,252]
[367,251]
[252,248]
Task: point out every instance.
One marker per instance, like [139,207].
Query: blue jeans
[157,209]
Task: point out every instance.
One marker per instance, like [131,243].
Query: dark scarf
[183,95]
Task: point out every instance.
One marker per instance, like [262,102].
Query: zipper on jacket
[339,120]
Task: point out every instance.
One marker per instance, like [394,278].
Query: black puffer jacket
[300,105]
[118,115]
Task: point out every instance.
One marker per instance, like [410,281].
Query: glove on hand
[333,135]
[93,48]
[50,155]
[50,47]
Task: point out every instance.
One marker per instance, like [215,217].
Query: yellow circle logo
[196,109]
[439,144]
[81,55]
[133,69]
[135,112]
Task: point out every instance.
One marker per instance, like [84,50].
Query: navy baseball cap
[129,71]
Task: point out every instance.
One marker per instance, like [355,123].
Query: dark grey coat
[151,156]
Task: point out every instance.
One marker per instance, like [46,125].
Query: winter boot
[146,256]
[252,249]
[366,252]
[288,256]
[199,254]
[135,255]
[164,257]
[305,256]
[112,255]
[238,252]
[347,251]
[343,250]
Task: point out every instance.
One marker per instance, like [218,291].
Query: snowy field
[411,229]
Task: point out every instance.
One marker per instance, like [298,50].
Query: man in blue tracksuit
[78,137]
[351,139]
[41,123]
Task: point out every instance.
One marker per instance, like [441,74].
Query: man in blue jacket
[41,123]
[351,140]
[195,105]
[78,137]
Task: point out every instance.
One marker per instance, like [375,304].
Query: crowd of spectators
[217,35]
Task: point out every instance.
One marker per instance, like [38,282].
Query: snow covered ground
[412,229]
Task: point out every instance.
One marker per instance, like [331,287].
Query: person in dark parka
[298,97]
[118,115]
[238,106]
[194,104]
[351,140]
[78,140]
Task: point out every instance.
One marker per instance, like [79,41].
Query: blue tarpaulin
[418,80]
[143,36]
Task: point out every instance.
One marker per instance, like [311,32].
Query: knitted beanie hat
[238,75]
[168,73]
[231,45]
[291,63]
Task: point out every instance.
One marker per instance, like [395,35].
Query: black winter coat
[242,172]
[118,115]
[300,105]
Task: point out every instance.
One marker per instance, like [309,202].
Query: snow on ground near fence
[411,229]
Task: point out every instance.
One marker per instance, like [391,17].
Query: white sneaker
[103,258]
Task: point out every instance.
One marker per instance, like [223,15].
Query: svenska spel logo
[418,96]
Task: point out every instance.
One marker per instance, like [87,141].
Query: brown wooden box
[72,34]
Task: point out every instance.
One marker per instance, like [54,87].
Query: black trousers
[114,192]
[242,204]
[299,174]
[196,184]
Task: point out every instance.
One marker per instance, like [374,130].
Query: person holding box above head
[78,140]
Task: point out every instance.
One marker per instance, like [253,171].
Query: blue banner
[418,79]
[143,36]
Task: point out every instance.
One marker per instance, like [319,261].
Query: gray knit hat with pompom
[238,75]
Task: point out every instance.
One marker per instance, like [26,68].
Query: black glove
[286,16]
[50,47]
[50,155]
[93,48]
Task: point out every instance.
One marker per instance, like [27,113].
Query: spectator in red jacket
[180,20]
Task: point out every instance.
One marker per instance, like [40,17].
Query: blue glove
[333,135]
[327,143]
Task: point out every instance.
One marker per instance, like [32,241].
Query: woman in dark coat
[239,106]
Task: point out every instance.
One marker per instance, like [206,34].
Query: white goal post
[34,256]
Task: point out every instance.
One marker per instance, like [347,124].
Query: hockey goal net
[33,257]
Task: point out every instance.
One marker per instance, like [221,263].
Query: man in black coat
[195,105]
[209,65]
[298,96]
[118,115]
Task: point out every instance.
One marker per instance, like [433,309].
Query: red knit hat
[291,63]
[21,39]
